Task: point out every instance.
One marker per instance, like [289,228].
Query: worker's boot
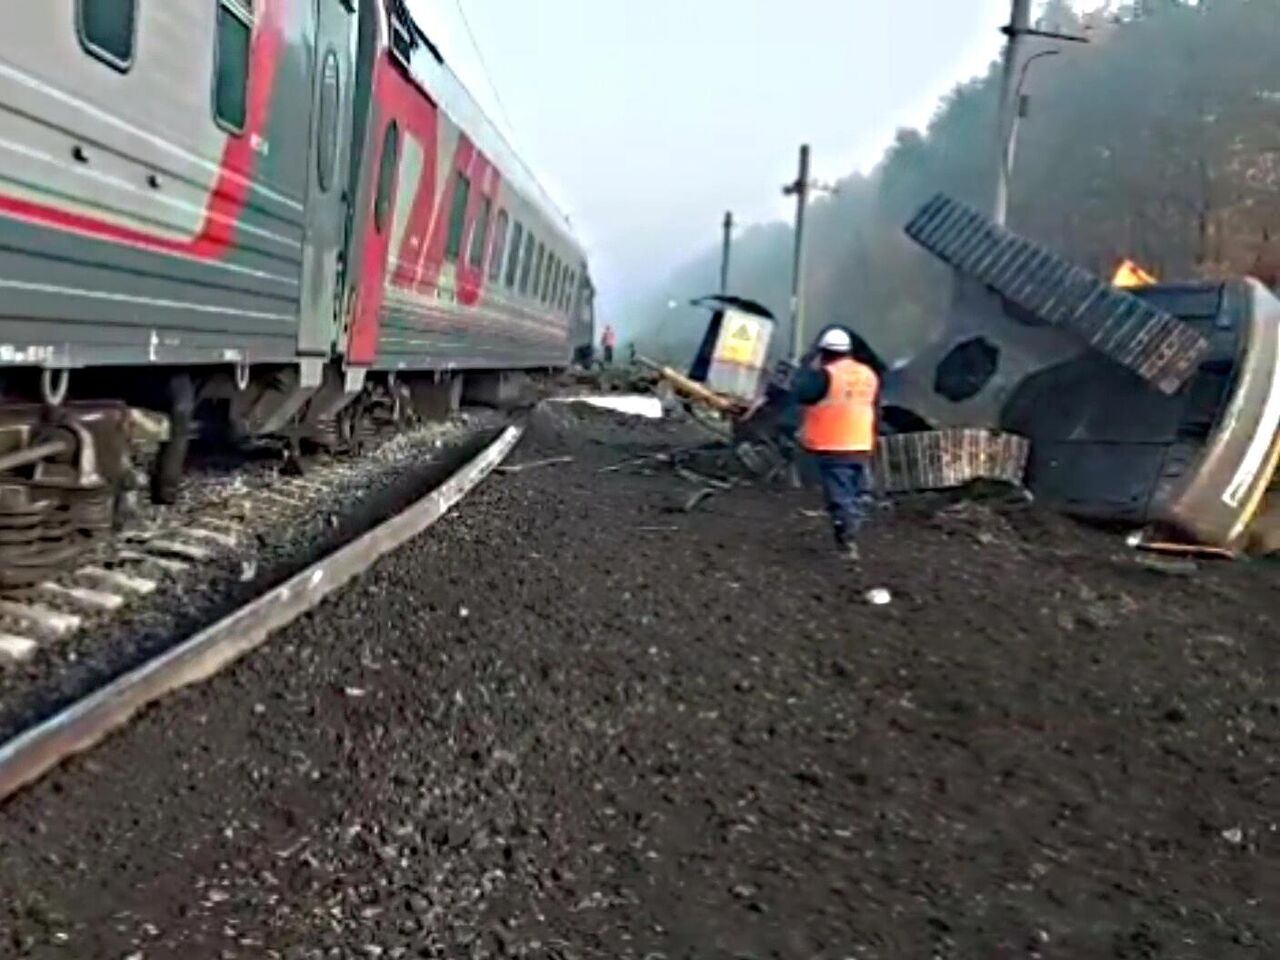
[845,547]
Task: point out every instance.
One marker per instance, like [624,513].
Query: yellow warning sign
[738,344]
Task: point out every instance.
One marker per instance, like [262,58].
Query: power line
[506,116]
[484,67]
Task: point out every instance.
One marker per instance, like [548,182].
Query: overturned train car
[1154,407]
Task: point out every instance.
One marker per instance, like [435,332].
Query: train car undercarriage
[78,448]
[1156,407]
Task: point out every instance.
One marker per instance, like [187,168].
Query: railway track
[219,534]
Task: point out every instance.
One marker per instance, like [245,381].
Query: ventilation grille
[942,459]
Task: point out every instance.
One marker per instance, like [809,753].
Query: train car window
[527,265]
[386,176]
[513,255]
[458,217]
[553,267]
[480,235]
[231,65]
[499,247]
[568,294]
[538,264]
[327,128]
[555,286]
[108,30]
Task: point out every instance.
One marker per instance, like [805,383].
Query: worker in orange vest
[608,340]
[840,397]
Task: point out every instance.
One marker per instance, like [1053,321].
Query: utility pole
[1020,113]
[800,189]
[1014,76]
[724,252]
[1016,31]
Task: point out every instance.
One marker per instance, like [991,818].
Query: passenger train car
[266,208]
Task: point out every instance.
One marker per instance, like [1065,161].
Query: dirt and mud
[575,721]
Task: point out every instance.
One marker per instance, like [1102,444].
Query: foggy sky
[647,119]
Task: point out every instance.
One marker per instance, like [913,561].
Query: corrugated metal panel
[1149,341]
[941,459]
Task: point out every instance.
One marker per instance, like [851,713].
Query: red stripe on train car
[429,276]
[420,119]
[399,102]
[417,264]
[231,190]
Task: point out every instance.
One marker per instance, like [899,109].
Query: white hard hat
[836,340]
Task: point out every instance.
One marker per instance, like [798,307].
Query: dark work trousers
[608,355]
[844,484]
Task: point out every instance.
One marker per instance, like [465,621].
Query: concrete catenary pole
[1017,30]
[724,252]
[801,190]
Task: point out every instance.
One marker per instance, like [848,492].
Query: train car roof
[428,69]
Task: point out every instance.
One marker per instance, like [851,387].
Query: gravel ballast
[574,720]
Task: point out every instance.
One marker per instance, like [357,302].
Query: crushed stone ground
[574,721]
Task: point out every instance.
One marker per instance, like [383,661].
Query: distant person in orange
[840,397]
[608,340]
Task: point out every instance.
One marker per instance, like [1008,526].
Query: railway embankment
[583,718]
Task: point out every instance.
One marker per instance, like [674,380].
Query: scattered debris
[534,465]
[693,502]
[878,597]
[1138,541]
[684,473]
[1170,566]
[636,405]
[636,461]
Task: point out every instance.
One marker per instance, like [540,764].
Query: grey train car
[263,208]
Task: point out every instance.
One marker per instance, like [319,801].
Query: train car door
[327,175]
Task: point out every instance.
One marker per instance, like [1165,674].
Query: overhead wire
[484,66]
[511,133]
[497,95]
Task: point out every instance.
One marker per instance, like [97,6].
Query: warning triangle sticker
[743,332]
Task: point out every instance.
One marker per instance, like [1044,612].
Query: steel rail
[82,725]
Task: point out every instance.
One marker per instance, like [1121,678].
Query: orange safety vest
[844,421]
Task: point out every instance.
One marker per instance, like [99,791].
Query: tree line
[1157,141]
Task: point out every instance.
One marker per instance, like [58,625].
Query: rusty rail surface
[84,724]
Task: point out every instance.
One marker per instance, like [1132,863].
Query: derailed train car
[262,210]
[1162,410]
